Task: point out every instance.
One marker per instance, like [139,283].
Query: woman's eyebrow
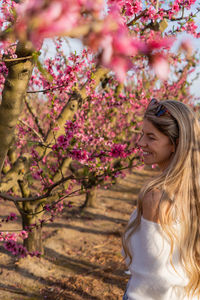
[151,133]
[148,133]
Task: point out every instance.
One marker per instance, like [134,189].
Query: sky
[76,45]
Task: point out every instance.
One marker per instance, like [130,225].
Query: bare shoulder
[150,205]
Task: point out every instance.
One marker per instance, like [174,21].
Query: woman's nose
[141,142]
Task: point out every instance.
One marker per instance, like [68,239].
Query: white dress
[152,275]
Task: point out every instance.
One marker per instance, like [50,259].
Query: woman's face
[157,147]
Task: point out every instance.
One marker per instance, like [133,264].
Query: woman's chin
[148,162]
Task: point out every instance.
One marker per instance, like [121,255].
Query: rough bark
[90,200]
[34,241]
[15,174]
[15,87]
[29,218]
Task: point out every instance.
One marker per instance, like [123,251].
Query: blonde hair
[180,184]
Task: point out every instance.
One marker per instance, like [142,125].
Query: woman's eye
[151,138]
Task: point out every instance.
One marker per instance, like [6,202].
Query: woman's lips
[146,153]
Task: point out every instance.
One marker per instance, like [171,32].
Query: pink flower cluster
[16,249]
[39,19]
[54,208]
[63,141]
[118,150]
[5,236]
[133,7]
[178,4]
[129,7]
[79,155]
[190,27]
[11,217]
[118,47]
[19,250]
[11,245]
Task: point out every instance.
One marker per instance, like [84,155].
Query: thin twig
[26,124]
[46,90]
[34,117]
[137,18]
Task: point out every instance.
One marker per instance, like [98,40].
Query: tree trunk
[31,214]
[90,200]
[19,73]
[34,241]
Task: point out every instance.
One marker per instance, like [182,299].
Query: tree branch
[14,174]
[35,132]
[16,59]
[47,90]
[46,195]
[15,87]
[69,110]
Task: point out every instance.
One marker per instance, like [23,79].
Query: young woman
[161,243]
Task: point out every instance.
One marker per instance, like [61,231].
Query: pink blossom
[156,44]
[124,44]
[35,154]
[191,27]
[106,44]
[115,45]
[47,207]
[63,141]
[37,174]
[70,127]
[78,154]
[160,65]
[118,150]
[34,253]
[10,236]
[120,65]
[11,217]
[16,249]
[23,234]
[133,7]
[151,12]
[118,3]
[40,19]
[182,3]
[59,206]
[176,6]
[186,46]
[91,5]
[1,236]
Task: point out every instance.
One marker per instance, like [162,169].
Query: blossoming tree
[69,124]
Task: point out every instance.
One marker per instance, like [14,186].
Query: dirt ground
[82,257]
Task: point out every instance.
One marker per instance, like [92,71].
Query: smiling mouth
[146,153]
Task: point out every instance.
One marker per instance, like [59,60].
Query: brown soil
[82,257]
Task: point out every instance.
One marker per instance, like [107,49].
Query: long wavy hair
[180,186]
